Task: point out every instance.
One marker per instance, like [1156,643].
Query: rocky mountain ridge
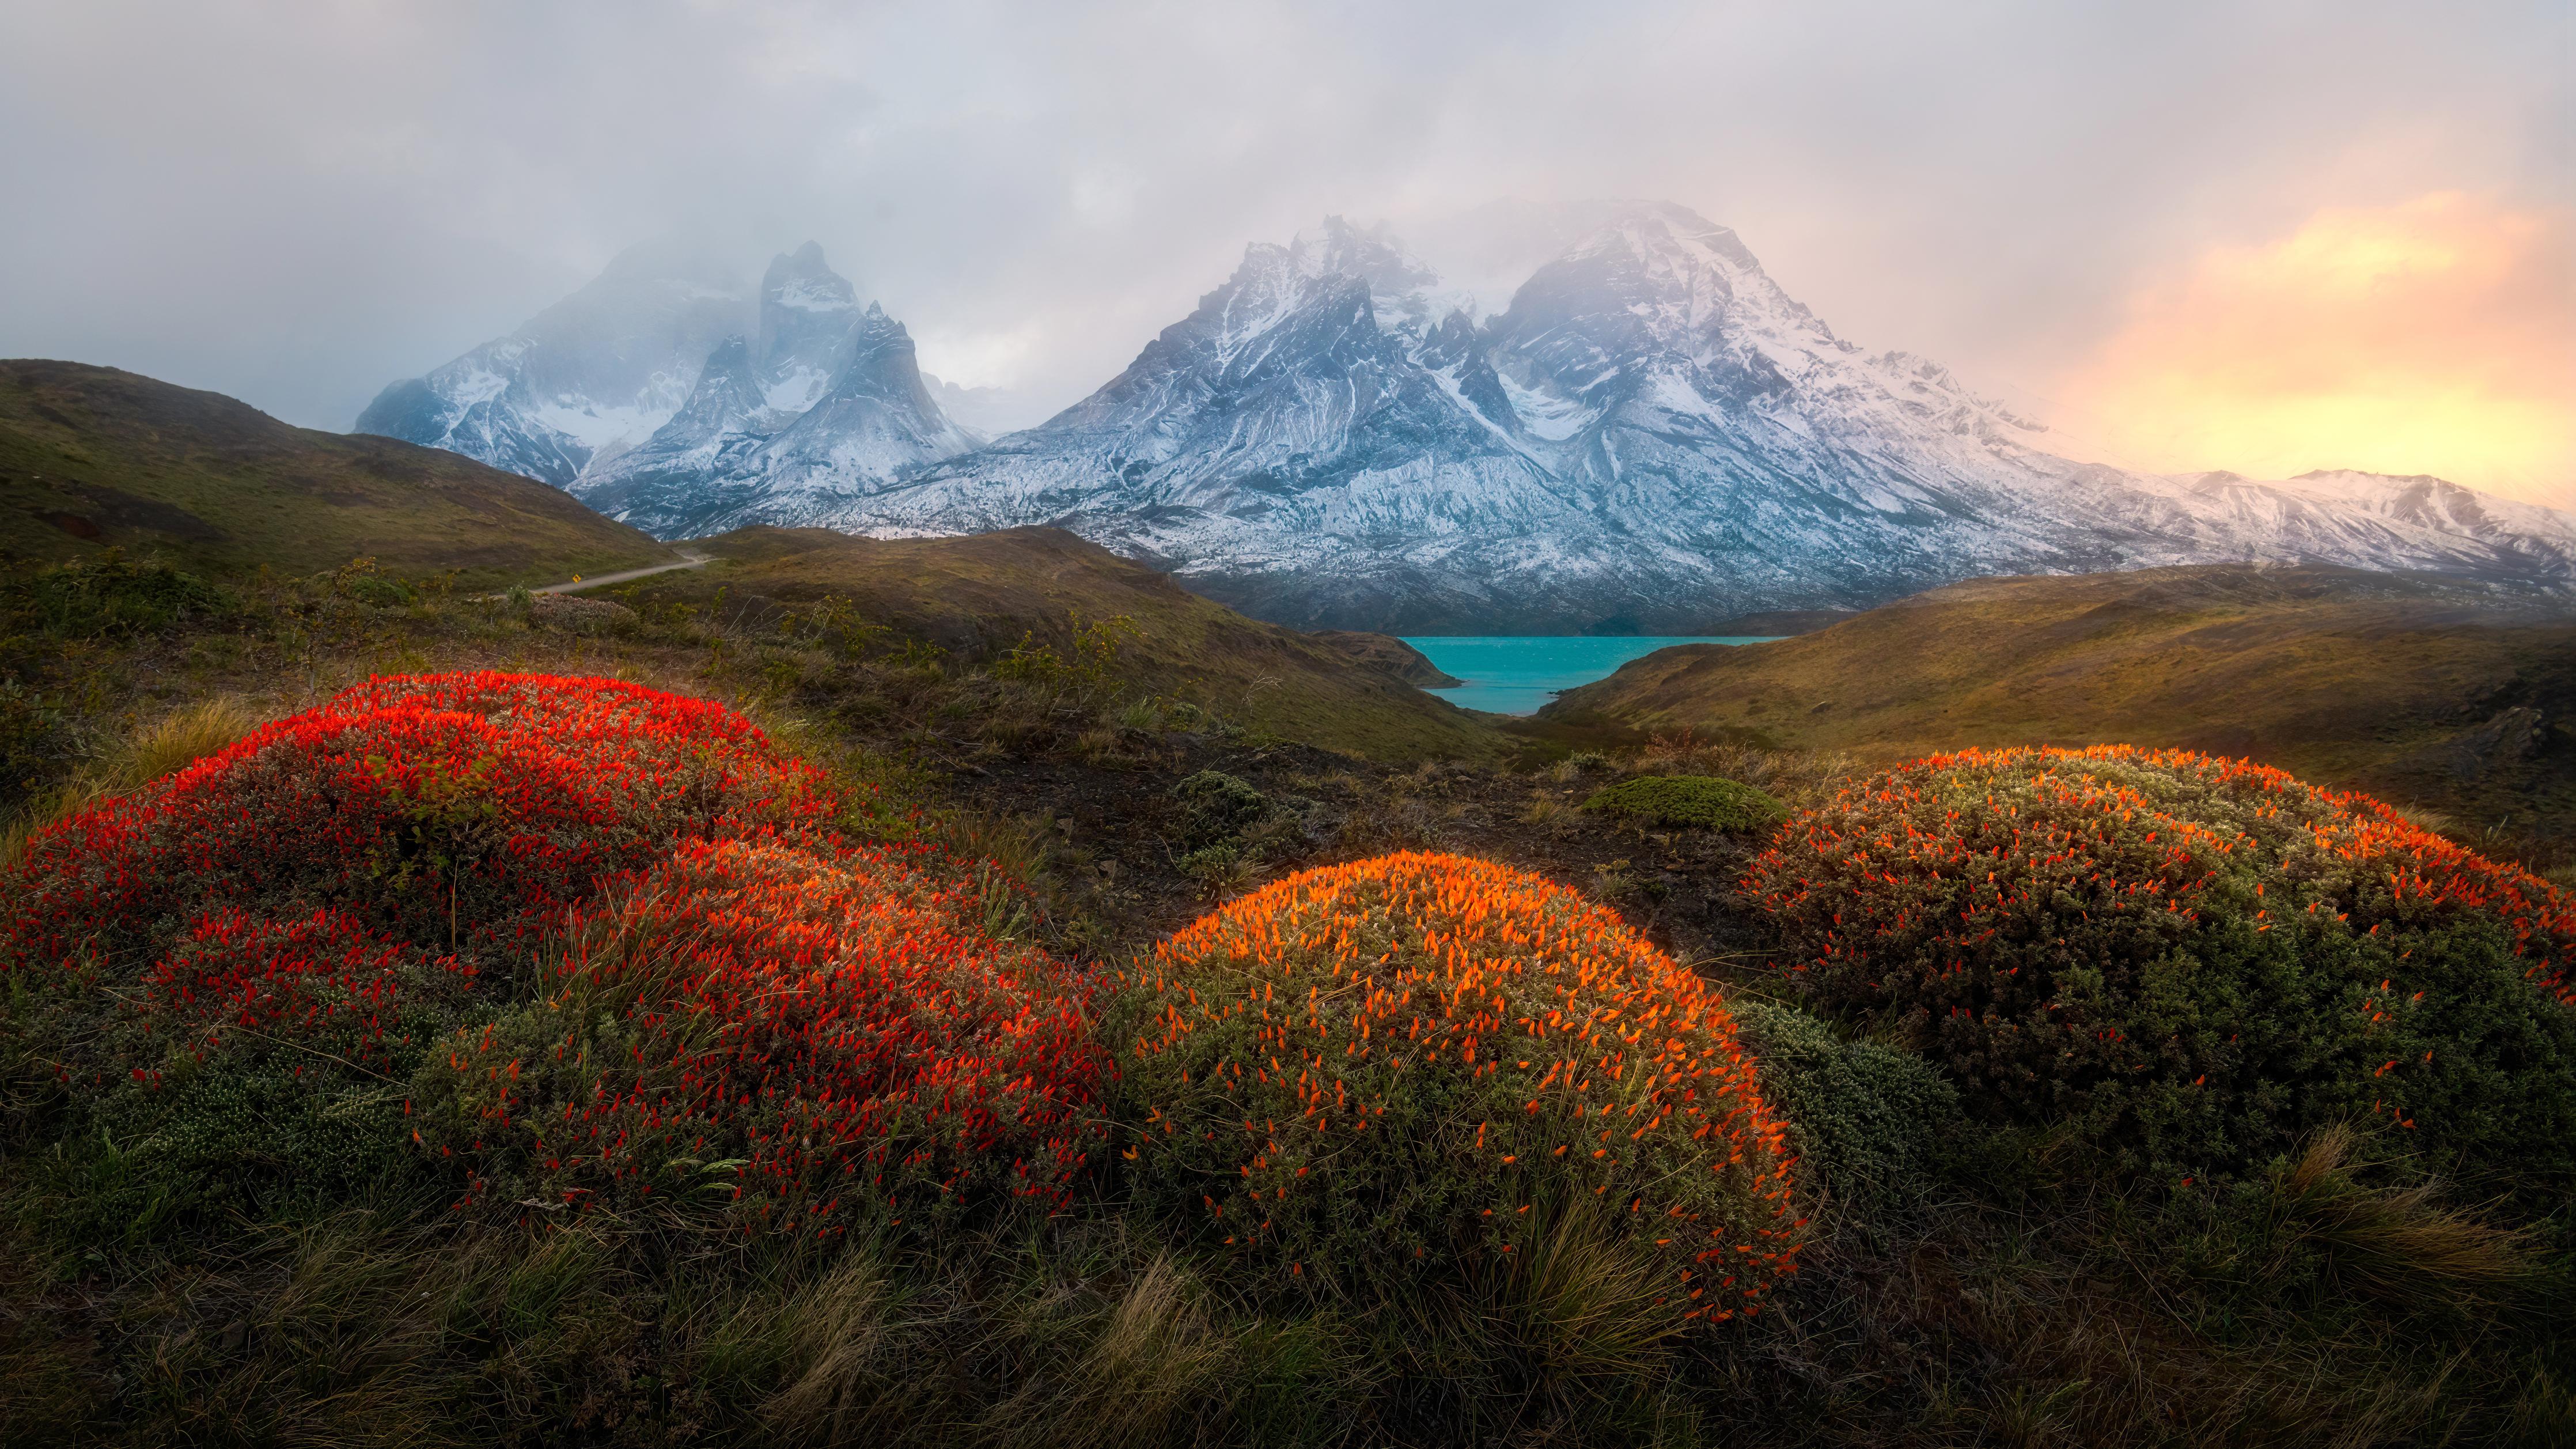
[1651,436]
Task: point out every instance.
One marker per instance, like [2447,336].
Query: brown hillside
[93,458]
[2408,686]
[981,595]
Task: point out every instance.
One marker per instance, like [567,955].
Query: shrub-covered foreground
[501,1059]
[1390,1069]
[2195,961]
[574,938]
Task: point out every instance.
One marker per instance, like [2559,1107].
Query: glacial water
[1516,674]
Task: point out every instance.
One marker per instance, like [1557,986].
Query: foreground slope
[983,595]
[92,457]
[2412,686]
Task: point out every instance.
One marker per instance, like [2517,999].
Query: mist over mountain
[1651,435]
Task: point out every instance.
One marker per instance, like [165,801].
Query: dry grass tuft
[2399,1245]
[164,746]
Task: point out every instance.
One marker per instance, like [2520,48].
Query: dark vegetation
[2195,963]
[761,1105]
[1700,800]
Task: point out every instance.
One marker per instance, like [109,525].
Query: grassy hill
[93,458]
[2408,686]
[982,596]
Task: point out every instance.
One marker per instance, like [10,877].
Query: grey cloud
[297,203]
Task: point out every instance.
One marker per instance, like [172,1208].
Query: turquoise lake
[1516,675]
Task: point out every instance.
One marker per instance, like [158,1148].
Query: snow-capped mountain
[584,379]
[1651,435]
[822,401]
[802,393]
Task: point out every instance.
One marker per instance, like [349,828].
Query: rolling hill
[93,458]
[981,595]
[2410,686]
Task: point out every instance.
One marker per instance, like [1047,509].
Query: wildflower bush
[1699,800]
[461,812]
[281,930]
[2194,961]
[805,1038]
[1422,1062]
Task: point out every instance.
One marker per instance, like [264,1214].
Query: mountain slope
[2408,685]
[92,458]
[982,595]
[1652,436]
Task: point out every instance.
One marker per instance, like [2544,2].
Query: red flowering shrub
[2194,959]
[450,811]
[805,1036]
[1421,1059]
[287,923]
[325,981]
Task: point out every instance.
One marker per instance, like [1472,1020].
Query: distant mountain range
[1652,436]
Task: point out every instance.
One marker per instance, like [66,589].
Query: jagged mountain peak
[1655,277]
[1373,254]
[1669,232]
[802,281]
[1322,264]
[1651,434]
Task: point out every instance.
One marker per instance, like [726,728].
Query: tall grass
[160,747]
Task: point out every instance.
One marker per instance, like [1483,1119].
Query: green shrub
[2192,962]
[1869,1119]
[110,595]
[1699,800]
[1422,1070]
[1217,808]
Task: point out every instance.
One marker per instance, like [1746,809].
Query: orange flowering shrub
[2195,959]
[1418,1058]
[804,1037]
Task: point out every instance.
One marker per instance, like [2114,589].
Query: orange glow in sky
[2437,336]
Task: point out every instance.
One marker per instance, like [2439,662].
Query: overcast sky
[2265,236]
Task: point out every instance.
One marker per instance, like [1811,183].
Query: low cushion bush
[805,1038]
[1696,800]
[2191,961]
[451,811]
[1869,1121]
[1370,1072]
[315,904]
[1217,808]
